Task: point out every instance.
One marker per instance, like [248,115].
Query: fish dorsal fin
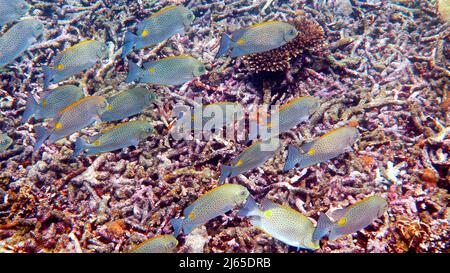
[338,214]
[189,209]
[267,204]
[291,103]
[176,57]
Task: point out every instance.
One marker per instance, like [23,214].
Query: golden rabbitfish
[11,10]
[120,136]
[281,222]
[157,244]
[257,38]
[351,219]
[326,147]
[174,70]
[72,119]
[160,26]
[52,102]
[18,39]
[74,60]
[210,205]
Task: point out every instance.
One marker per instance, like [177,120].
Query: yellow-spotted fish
[220,111]
[5,142]
[158,27]
[351,219]
[257,38]
[210,205]
[120,136]
[157,244]
[174,70]
[252,157]
[326,147]
[18,39]
[289,116]
[74,60]
[281,222]
[71,119]
[52,102]
[11,10]
[128,103]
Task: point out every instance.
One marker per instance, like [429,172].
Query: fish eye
[292,32]
[243,193]
[191,16]
[201,69]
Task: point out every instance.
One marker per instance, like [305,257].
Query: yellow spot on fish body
[191,216]
[109,107]
[145,33]
[269,125]
[240,162]
[267,213]
[44,103]
[59,67]
[311,152]
[97,142]
[151,70]
[342,221]
[58,125]
[240,41]
[193,117]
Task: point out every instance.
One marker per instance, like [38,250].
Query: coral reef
[385,66]
[309,40]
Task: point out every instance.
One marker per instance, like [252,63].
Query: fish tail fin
[225,171]
[48,75]
[134,72]
[42,134]
[225,45]
[32,107]
[177,225]
[128,43]
[292,158]
[324,226]
[249,209]
[80,145]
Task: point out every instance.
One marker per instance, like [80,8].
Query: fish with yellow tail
[160,26]
[351,219]
[281,222]
[210,205]
[326,147]
[18,39]
[157,244]
[120,136]
[174,70]
[71,119]
[74,60]
[252,157]
[52,102]
[257,38]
